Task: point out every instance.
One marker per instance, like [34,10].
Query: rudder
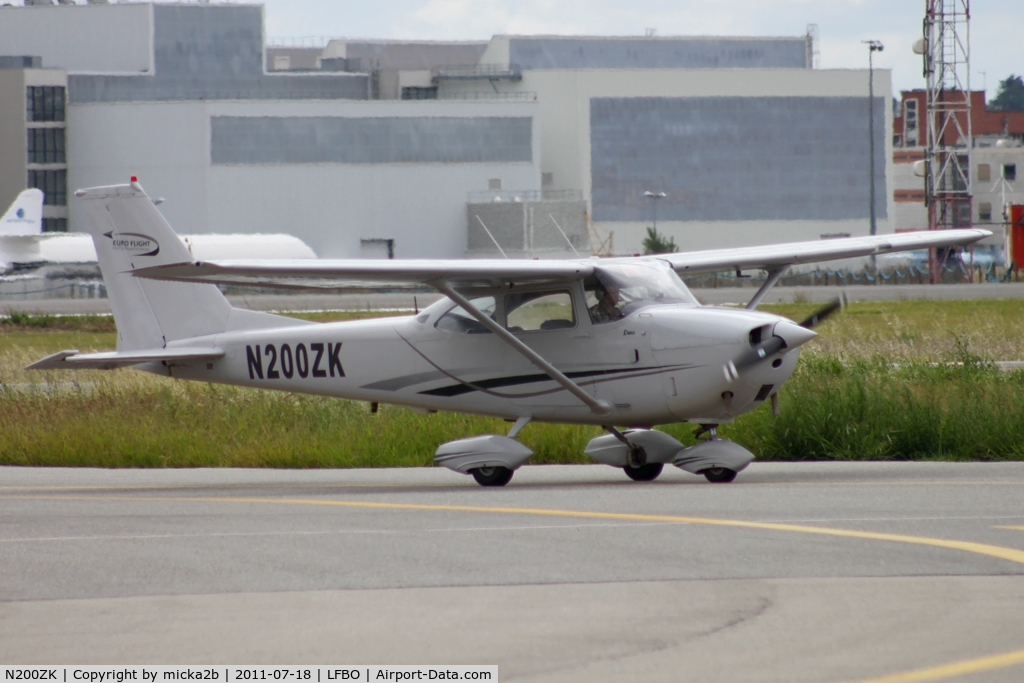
[128,233]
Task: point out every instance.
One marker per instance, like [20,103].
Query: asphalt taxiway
[795,572]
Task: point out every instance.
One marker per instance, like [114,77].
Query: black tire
[719,475]
[492,476]
[648,472]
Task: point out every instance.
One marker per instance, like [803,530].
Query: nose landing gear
[492,476]
[648,472]
[719,460]
[719,475]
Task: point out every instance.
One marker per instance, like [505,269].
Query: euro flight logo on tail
[134,243]
[18,216]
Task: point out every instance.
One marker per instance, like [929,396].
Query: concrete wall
[532,53]
[994,192]
[167,145]
[163,52]
[14,164]
[329,205]
[115,39]
[395,55]
[212,52]
[13,154]
[912,214]
[298,58]
[910,211]
[564,99]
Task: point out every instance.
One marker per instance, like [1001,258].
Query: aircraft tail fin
[25,215]
[128,233]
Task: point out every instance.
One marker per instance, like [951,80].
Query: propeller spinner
[785,335]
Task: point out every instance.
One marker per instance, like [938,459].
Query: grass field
[847,400]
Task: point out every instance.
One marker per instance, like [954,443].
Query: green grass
[846,401]
[869,410]
[128,419]
[917,330]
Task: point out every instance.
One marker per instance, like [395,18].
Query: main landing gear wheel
[719,475]
[648,472]
[492,476]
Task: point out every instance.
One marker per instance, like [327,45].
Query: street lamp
[873,47]
[654,197]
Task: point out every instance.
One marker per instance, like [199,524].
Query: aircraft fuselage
[659,364]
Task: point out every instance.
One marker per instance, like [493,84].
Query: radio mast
[947,51]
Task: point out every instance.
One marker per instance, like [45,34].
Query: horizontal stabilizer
[71,359]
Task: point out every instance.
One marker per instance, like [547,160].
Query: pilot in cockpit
[607,307]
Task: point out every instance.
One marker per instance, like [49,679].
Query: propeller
[823,313]
[784,335]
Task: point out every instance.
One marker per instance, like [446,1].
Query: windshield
[615,291]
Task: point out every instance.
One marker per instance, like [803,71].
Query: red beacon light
[135,179]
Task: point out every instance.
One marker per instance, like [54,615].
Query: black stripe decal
[459,389]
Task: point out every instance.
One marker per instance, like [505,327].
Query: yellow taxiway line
[336,485]
[1003,553]
[938,673]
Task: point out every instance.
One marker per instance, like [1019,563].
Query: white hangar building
[749,143]
[361,148]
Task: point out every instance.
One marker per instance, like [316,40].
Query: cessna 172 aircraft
[615,342]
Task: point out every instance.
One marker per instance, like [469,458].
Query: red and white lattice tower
[947,51]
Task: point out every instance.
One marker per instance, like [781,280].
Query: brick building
[997,152]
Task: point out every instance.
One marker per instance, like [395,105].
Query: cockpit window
[459,320]
[528,311]
[615,291]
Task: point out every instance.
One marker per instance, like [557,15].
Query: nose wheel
[719,475]
[492,476]
[648,472]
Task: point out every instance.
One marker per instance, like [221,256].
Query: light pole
[873,47]
[654,197]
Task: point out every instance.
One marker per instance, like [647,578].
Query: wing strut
[599,407]
[774,275]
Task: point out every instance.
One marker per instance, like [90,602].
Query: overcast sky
[997,26]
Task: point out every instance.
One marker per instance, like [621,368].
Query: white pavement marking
[541,527]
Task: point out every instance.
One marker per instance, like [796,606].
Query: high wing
[331,274]
[774,256]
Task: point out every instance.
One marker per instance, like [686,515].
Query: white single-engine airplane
[615,342]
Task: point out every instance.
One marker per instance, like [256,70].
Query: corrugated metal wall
[366,140]
[658,53]
[735,158]
[212,52]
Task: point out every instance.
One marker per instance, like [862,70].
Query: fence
[484,196]
[958,273]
